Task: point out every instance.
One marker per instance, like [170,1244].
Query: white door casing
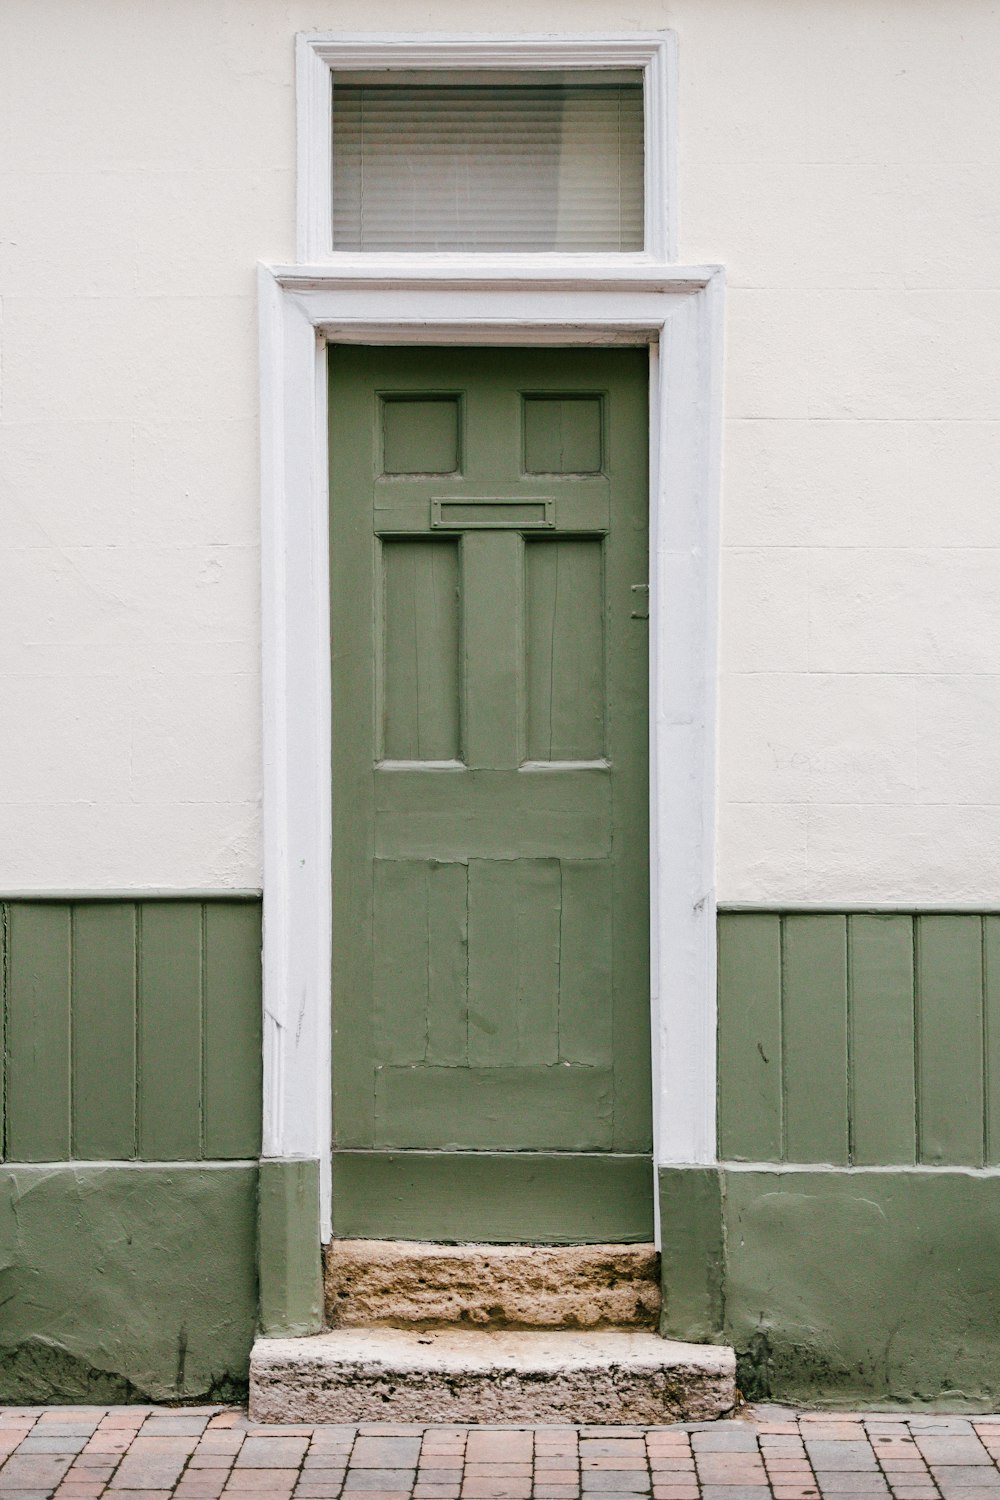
[678,313]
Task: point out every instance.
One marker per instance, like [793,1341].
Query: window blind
[530,167]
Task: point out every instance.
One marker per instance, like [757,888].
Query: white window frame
[319,55]
[527,300]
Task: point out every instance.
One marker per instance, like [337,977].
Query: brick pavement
[148,1453]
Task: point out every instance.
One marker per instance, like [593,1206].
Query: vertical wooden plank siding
[131,1029]
[883,1086]
[38,1031]
[232,1021]
[750,1061]
[991,1036]
[914,1077]
[950,1039]
[103,1012]
[170,1011]
[814,1031]
[4,920]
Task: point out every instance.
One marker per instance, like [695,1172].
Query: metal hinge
[640,601]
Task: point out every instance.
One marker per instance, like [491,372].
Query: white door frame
[677,311]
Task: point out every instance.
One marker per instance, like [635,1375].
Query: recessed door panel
[421,719]
[564,649]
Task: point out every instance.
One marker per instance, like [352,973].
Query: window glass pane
[548,166]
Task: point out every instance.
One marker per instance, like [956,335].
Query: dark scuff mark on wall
[182,1344]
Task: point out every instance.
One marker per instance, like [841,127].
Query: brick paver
[767,1453]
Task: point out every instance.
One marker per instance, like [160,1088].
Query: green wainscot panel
[132,1029]
[859,1038]
[127,1283]
[850,1287]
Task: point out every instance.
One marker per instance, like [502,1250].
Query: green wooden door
[490,880]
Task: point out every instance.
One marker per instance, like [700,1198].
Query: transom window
[473,162]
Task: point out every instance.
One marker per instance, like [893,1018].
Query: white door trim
[678,312]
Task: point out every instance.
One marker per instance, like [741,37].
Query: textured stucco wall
[844,1287]
[838,156]
[127,1282]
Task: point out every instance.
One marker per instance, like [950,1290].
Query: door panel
[564,649]
[491,986]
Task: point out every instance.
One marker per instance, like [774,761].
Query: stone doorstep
[394,1283]
[403,1375]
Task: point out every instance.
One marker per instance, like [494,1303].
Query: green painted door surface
[490,881]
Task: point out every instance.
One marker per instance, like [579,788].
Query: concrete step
[403,1375]
[407,1283]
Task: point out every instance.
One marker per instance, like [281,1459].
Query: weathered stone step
[398,1283]
[403,1375]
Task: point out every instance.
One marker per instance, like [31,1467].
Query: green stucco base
[848,1286]
[121,1283]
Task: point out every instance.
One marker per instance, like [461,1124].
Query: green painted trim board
[504,1197]
[288,1248]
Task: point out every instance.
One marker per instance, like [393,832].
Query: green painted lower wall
[130,1119]
[127,1282]
[851,1286]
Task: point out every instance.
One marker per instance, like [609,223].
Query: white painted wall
[840,157]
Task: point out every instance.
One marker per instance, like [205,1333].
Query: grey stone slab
[148,1472]
[609,1447]
[379,1479]
[184,1424]
[734,1492]
[851,1482]
[34,1471]
[839,1453]
[69,1429]
[603,1481]
[272,1452]
[958,1479]
[952,1450]
[47,1442]
[385,1452]
[728,1437]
